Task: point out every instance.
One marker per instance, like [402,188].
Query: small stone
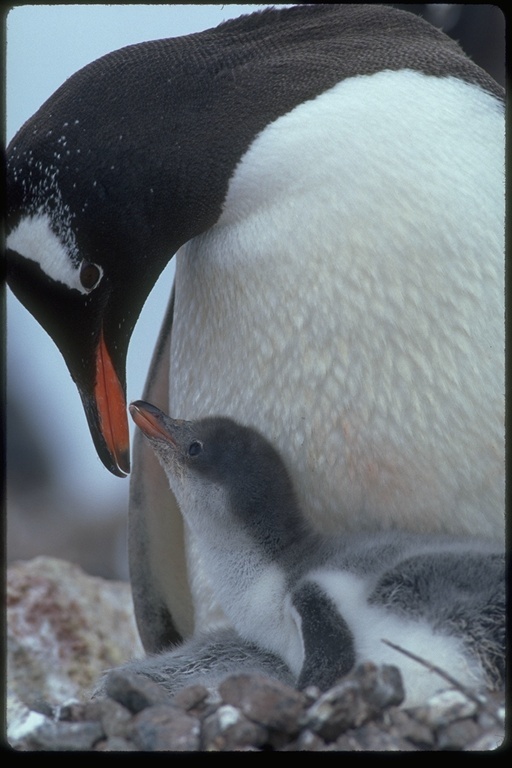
[401,722]
[66,737]
[445,707]
[191,697]
[135,692]
[492,713]
[115,718]
[372,738]
[347,742]
[43,707]
[487,719]
[338,709]
[381,686]
[229,729]
[312,693]
[21,721]
[307,741]
[265,701]
[458,735]
[164,728]
[116,744]
[487,742]
[360,696]
[77,711]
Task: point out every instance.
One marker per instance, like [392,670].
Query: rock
[307,741]
[116,744]
[77,711]
[445,707]
[65,737]
[198,720]
[114,719]
[265,701]
[22,720]
[133,691]
[360,696]
[64,628]
[165,727]
[372,738]
[382,686]
[457,735]
[406,727]
[228,729]
[193,698]
[337,710]
[487,742]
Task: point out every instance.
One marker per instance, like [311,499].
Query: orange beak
[111,405]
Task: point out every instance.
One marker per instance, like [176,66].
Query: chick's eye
[90,275]
[195,448]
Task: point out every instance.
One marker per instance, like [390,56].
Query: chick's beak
[150,420]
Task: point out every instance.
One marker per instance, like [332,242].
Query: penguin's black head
[92,219]
[235,458]
[82,321]
[76,279]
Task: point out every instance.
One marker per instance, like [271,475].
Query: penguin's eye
[90,275]
[195,448]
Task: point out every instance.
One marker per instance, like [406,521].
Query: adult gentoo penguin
[323,602]
[331,178]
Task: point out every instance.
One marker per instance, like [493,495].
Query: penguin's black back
[214,91]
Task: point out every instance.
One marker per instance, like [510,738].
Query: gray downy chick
[319,603]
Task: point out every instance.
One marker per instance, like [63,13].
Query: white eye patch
[34,239]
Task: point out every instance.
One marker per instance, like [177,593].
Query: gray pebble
[66,737]
[249,712]
[133,691]
[360,696]
[115,718]
[165,727]
[228,729]
[458,734]
[116,744]
[265,701]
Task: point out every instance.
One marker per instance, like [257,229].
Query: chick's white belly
[371,625]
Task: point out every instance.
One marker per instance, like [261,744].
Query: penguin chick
[323,604]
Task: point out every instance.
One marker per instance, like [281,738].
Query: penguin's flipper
[158,573]
[328,642]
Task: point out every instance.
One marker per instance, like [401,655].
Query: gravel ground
[255,713]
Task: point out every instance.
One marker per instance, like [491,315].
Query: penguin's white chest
[263,613]
[349,304]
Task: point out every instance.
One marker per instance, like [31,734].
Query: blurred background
[61,501]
